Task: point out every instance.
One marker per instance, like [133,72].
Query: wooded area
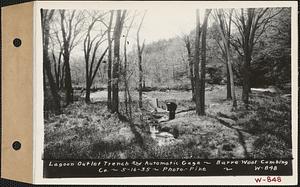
[225,80]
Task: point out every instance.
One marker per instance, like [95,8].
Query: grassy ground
[90,131]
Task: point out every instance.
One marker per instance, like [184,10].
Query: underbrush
[91,132]
[86,132]
[270,120]
[270,146]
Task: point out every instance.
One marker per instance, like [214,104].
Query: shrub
[270,146]
[271,122]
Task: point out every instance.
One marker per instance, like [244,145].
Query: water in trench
[161,137]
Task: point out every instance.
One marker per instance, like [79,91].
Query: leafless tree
[224,28]
[91,46]
[200,80]
[251,23]
[116,61]
[109,60]
[70,27]
[46,16]
[57,59]
[196,64]
[127,95]
[191,64]
[140,52]
[203,62]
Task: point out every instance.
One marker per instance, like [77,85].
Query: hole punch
[16,145]
[17,42]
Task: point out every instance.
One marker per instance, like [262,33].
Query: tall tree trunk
[190,60]
[130,107]
[192,82]
[229,65]
[196,64]
[248,32]
[116,62]
[87,77]
[56,67]
[247,57]
[246,79]
[229,61]
[62,85]
[140,51]
[140,78]
[46,61]
[225,35]
[87,93]
[52,84]
[115,71]
[58,71]
[66,54]
[125,76]
[203,63]
[109,60]
[229,96]
[126,91]
[87,83]
[68,79]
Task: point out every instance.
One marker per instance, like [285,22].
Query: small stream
[162,138]
[158,117]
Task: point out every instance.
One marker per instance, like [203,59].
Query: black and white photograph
[202,83]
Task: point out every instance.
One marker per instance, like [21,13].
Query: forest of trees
[253,45]
[88,52]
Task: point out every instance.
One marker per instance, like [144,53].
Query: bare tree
[70,31]
[200,80]
[46,17]
[190,61]
[140,52]
[196,64]
[126,92]
[251,24]
[109,60]
[224,29]
[57,60]
[91,46]
[57,51]
[116,62]
[62,78]
[203,62]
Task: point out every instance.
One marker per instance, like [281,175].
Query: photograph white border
[169,180]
